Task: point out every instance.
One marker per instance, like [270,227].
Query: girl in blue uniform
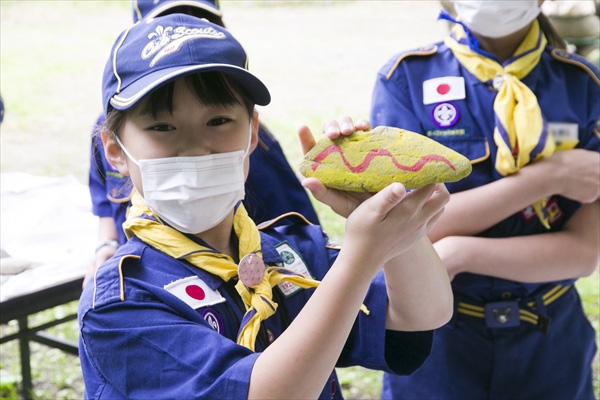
[520,230]
[200,303]
[110,190]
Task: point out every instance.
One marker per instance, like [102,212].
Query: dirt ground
[318,58]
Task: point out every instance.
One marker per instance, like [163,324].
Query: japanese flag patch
[194,292]
[446,88]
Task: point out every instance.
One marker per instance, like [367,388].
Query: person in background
[272,187]
[524,226]
[1,110]
[578,22]
[201,304]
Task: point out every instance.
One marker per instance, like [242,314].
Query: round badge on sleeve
[445,115]
[251,270]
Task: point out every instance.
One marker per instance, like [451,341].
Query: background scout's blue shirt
[460,116]
[272,187]
[155,327]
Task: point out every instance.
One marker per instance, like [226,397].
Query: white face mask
[496,18]
[193,194]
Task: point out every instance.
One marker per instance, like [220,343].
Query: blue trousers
[471,361]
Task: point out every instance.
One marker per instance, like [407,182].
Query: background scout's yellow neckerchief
[521,132]
[258,298]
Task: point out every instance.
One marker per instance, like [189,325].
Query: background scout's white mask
[193,194]
[496,18]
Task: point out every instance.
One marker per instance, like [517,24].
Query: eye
[218,121]
[162,128]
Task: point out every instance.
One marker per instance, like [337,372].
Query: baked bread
[368,161]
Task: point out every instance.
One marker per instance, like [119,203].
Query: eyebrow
[145,111]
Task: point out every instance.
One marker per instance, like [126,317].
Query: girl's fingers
[346,125]
[362,124]
[307,140]
[421,195]
[316,187]
[389,197]
[342,203]
[332,129]
[330,197]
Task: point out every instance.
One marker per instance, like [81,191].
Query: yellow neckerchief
[521,132]
[257,299]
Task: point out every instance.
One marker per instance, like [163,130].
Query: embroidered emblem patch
[194,292]
[165,41]
[293,261]
[446,88]
[553,212]
[214,320]
[445,115]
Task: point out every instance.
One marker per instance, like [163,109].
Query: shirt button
[506,295]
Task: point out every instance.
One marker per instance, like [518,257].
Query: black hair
[210,88]
[195,12]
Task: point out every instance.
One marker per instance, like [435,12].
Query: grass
[319,60]
[55,374]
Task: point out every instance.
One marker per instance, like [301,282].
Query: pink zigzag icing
[335,148]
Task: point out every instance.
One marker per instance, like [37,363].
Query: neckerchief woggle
[145,225]
[521,131]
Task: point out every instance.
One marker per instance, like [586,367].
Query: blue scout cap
[156,51]
[154,8]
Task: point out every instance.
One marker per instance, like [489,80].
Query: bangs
[210,88]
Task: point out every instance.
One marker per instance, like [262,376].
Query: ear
[113,152]
[255,127]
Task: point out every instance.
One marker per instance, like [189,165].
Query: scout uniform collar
[257,280]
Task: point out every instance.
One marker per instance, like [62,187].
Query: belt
[507,314]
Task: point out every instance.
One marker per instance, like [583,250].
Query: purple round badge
[251,270]
[445,115]
[213,319]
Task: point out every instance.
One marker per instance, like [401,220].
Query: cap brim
[129,96]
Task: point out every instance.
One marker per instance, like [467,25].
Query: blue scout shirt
[156,327]
[429,92]
[272,187]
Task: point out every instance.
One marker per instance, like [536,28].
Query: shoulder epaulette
[422,51]
[290,215]
[574,59]
[121,262]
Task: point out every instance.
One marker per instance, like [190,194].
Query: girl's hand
[333,129]
[344,126]
[577,173]
[342,203]
[391,221]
